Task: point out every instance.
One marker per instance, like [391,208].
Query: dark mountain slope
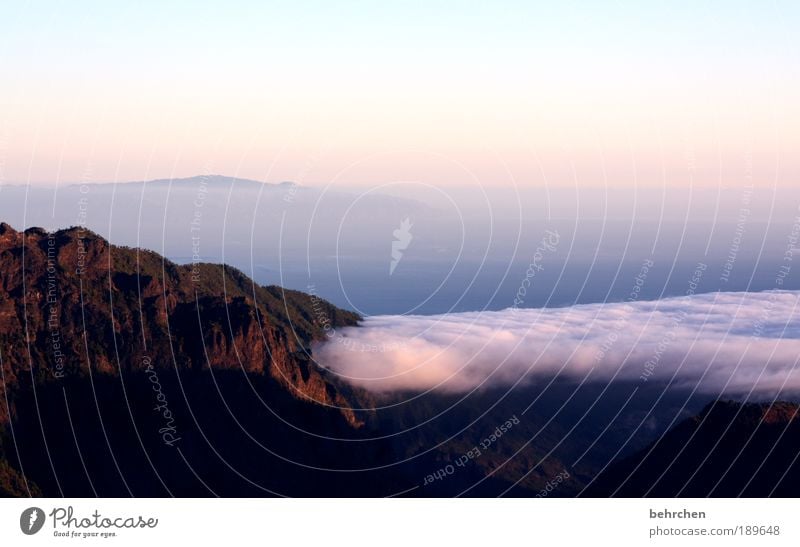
[70,290]
[728,450]
[109,354]
[126,374]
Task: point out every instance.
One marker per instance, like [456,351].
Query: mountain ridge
[76,309]
[213,180]
[126,374]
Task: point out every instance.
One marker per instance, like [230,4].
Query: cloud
[717,342]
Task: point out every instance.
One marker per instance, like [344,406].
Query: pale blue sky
[248,85]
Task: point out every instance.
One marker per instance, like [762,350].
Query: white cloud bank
[718,342]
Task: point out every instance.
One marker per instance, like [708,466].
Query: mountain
[730,449]
[88,331]
[72,288]
[125,374]
[209,181]
[274,232]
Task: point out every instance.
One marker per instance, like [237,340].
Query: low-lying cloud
[718,342]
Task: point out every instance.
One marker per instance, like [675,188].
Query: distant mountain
[212,181]
[728,450]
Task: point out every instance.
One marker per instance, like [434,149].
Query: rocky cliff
[69,298]
[125,335]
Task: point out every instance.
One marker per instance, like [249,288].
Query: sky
[609,94]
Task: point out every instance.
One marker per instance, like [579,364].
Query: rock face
[69,296]
[113,338]
[728,450]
